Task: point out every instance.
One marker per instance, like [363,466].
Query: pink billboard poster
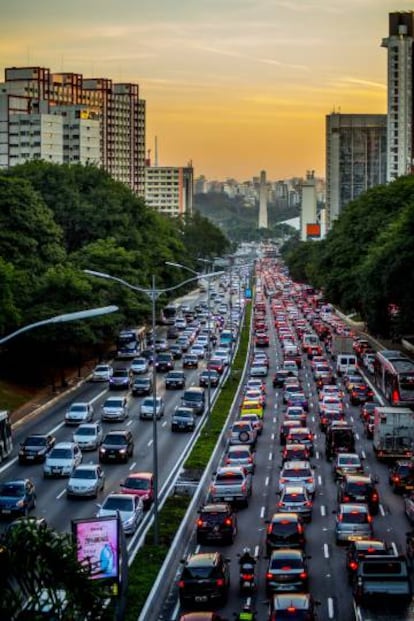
[97,541]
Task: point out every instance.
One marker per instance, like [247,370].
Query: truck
[393,436]
[382,589]
[231,484]
[341,344]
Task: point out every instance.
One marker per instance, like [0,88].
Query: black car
[401,476]
[208,376]
[174,379]
[117,446]
[287,571]
[284,530]
[183,419]
[177,352]
[190,361]
[205,579]
[279,378]
[164,362]
[142,386]
[361,549]
[217,522]
[360,393]
[359,488]
[35,447]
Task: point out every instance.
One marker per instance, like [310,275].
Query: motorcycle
[247,580]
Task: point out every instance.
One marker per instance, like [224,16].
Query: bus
[169,314]
[394,376]
[130,342]
[6,442]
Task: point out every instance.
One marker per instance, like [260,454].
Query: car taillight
[228,522]
[300,529]
[220,582]
[396,478]
[250,459]
[303,575]
[181,584]
[200,522]
[346,499]
[309,480]
[282,480]
[308,503]
[369,519]
[269,529]
[374,496]
[309,436]
[269,575]
[244,486]
[291,609]
[247,576]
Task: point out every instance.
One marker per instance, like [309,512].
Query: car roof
[201,559]
[294,464]
[350,507]
[216,507]
[282,601]
[294,489]
[140,475]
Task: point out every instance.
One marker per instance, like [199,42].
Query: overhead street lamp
[184,267]
[84,314]
[153,293]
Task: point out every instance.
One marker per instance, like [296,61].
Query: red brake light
[247,576]
[199,522]
[303,575]
[369,518]
[374,496]
[269,529]
[353,565]
[181,584]
[220,582]
[395,396]
[227,521]
[291,609]
[300,529]
[269,576]
[346,498]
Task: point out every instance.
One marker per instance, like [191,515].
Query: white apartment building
[169,189]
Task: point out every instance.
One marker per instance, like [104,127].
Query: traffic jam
[308,516]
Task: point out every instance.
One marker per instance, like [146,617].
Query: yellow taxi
[252,407]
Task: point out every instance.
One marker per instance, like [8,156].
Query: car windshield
[12,489]
[61,453]
[229,478]
[294,497]
[78,407]
[205,571]
[86,431]
[358,488]
[35,441]
[84,473]
[286,563]
[354,517]
[239,454]
[118,503]
[115,439]
[138,484]
[284,527]
[183,414]
[348,461]
[113,403]
[296,472]
[120,374]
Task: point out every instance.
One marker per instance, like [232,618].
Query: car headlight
[20,503]
[122,451]
[102,450]
[129,521]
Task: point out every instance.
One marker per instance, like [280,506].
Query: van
[346,364]
[194,398]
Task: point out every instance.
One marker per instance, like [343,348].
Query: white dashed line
[325,550]
[323,511]
[272,437]
[262,512]
[267,481]
[357,436]
[149,443]
[270,456]
[132,466]
[59,496]
[319,480]
[394,548]
[330,608]
[363,455]
[382,510]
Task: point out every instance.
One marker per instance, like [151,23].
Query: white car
[88,436]
[139,365]
[115,409]
[79,412]
[86,480]
[129,507]
[198,350]
[102,373]
[297,472]
[147,408]
[223,354]
[62,459]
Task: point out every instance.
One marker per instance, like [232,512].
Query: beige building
[169,189]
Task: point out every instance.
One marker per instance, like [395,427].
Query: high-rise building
[94,121]
[169,189]
[356,147]
[309,227]
[399,43]
[263,223]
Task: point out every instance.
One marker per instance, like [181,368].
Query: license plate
[6,511]
[56,470]
[200,598]
[228,498]
[355,537]
[29,456]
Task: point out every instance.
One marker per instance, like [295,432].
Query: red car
[216,364]
[141,484]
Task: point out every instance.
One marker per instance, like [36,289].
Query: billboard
[98,543]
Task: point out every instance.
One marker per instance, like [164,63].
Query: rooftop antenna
[156,152]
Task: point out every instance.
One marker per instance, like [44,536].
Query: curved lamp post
[153,293]
[84,314]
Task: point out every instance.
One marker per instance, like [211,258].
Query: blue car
[17,498]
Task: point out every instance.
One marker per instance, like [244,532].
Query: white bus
[6,442]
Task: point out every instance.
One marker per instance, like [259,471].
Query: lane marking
[330,608]
[325,550]
[267,479]
[323,510]
[262,512]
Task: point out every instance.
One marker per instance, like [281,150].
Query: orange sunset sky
[236,86]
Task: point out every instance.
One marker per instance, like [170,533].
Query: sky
[234,86]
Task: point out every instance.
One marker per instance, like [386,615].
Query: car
[369,426]
[35,448]
[340,438]
[223,354]
[115,409]
[184,342]
[295,452]
[183,419]
[120,380]
[251,407]
[296,499]
[346,463]
[256,421]
[190,361]
[216,364]
[261,339]
[164,362]
[255,383]
[62,459]
[243,432]
[292,606]
[117,446]
[102,373]
[86,480]
[161,345]
[79,412]
[194,397]
[353,522]
[258,369]
[360,393]
[209,377]
[141,484]
[279,378]
[294,472]
[216,523]
[352,380]
[174,379]
[291,367]
[287,571]
[88,436]
[139,365]
[290,389]
[172,333]
[401,476]
[285,428]
[231,484]
[362,548]
[359,488]
[129,507]
[298,398]
[240,455]
[296,413]
[17,497]
[142,386]
[284,530]
[151,406]
[330,402]
[302,435]
[198,350]
[204,579]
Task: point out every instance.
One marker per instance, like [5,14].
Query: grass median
[147,563]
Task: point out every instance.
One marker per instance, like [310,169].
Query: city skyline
[233,86]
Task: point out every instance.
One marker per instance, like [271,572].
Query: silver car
[240,455]
[147,408]
[62,459]
[79,412]
[129,506]
[243,432]
[139,365]
[102,373]
[88,436]
[297,472]
[353,522]
[86,480]
[115,409]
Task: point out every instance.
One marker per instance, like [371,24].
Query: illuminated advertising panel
[98,543]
